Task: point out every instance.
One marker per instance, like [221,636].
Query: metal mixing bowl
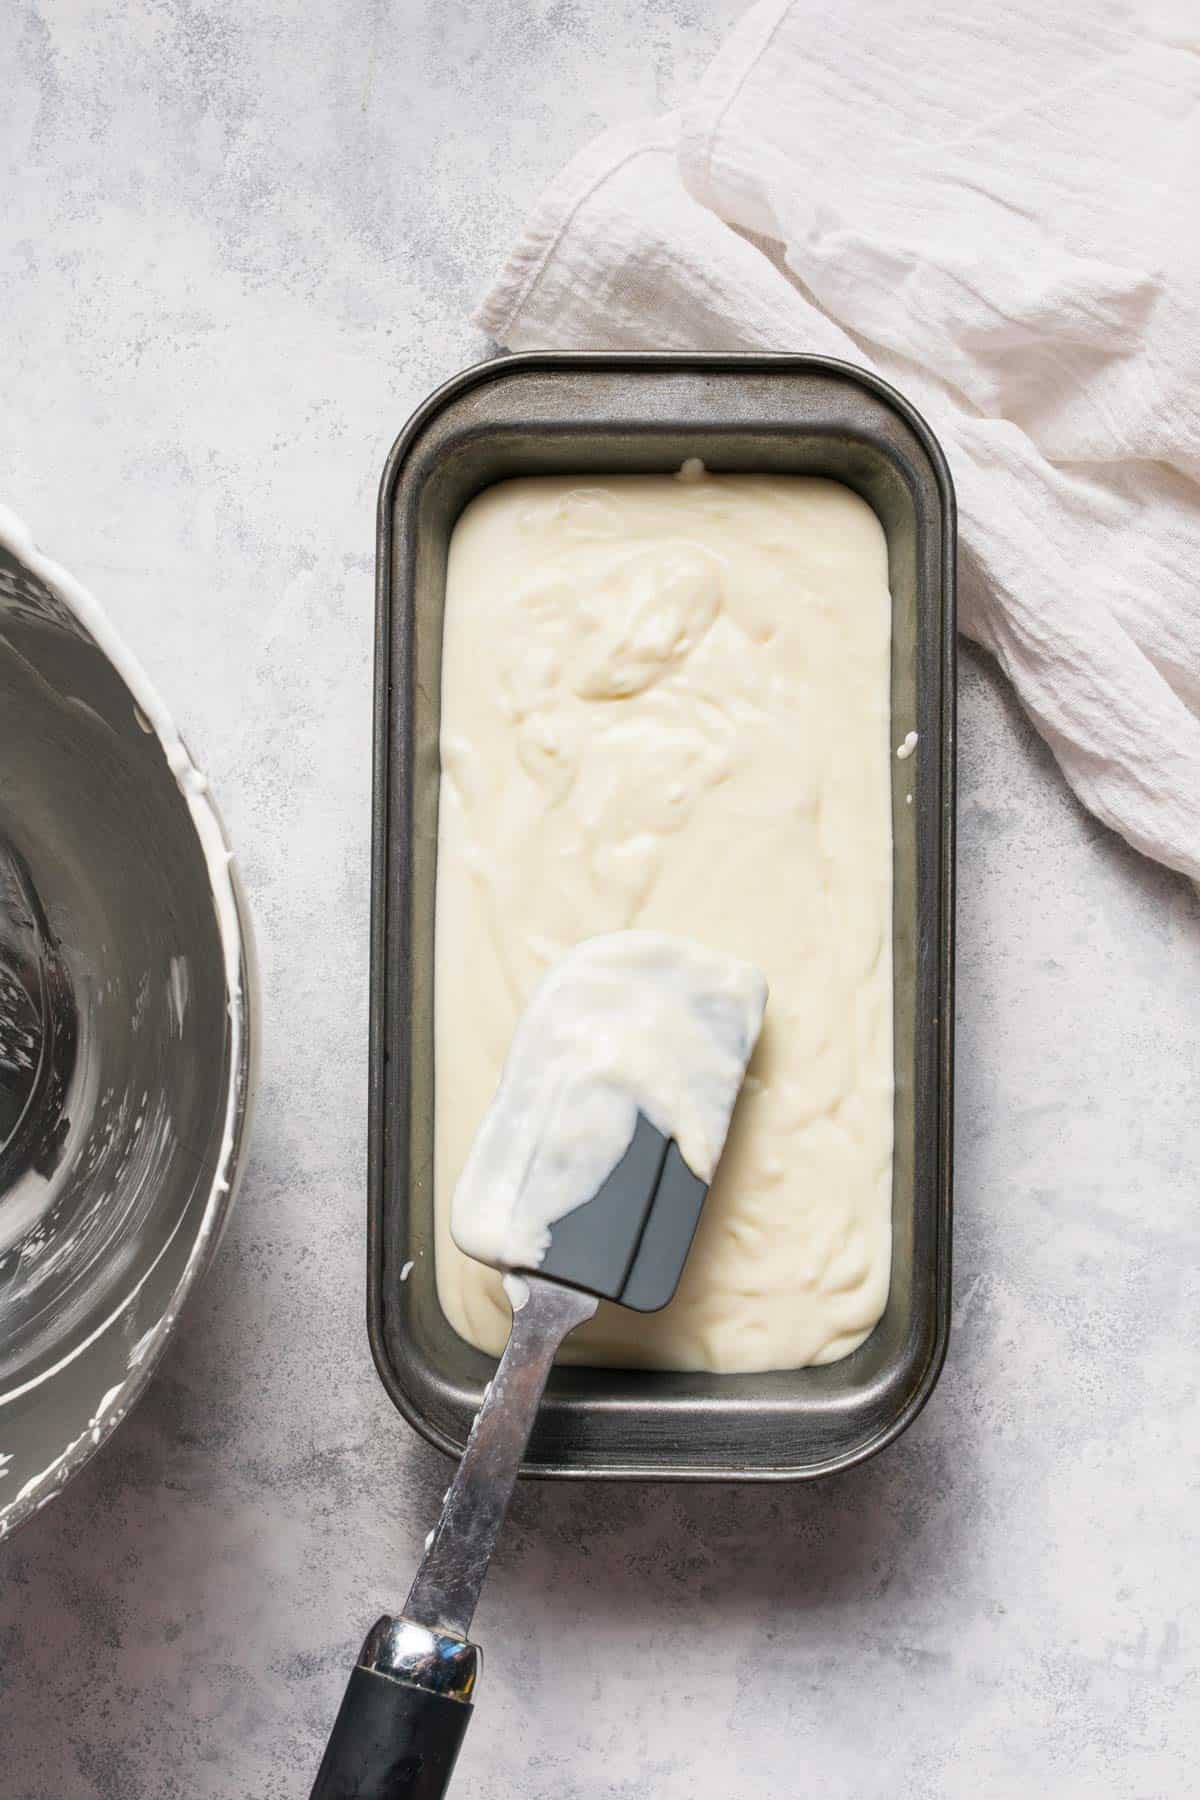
[125,1035]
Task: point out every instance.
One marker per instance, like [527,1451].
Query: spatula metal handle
[403,1716]
[407,1704]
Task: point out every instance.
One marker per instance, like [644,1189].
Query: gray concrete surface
[239,243]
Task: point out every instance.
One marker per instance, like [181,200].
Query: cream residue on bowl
[104,1358]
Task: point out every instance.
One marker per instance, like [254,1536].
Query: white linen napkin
[997,208]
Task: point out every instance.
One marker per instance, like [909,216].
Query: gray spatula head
[591,1165]
[630,1243]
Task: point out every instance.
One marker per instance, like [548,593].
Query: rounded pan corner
[404,1396]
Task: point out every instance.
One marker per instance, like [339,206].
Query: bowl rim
[241,996]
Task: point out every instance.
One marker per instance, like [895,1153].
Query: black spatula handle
[403,1716]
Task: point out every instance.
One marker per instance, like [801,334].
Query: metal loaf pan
[606,414]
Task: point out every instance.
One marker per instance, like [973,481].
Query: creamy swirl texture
[665,706]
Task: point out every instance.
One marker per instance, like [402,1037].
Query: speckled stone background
[240,241]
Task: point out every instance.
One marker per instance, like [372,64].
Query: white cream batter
[665,705]
[634,1021]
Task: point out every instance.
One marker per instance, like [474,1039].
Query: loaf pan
[604,414]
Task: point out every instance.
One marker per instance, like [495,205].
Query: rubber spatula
[409,1698]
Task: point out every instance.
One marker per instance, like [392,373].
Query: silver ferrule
[422,1657]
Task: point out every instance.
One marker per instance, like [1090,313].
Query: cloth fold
[999,211]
